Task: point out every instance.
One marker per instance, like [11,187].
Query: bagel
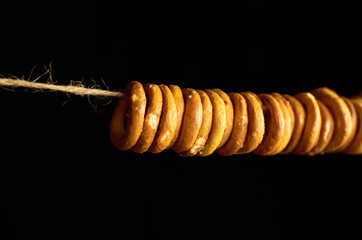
[127,121]
[274,125]
[229,116]
[299,117]
[180,107]
[152,118]
[240,126]
[218,123]
[313,123]
[289,122]
[205,126]
[341,116]
[354,123]
[256,126]
[167,125]
[356,146]
[326,132]
[191,121]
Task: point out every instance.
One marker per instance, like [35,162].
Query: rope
[61,88]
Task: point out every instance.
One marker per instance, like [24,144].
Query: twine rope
[82,91]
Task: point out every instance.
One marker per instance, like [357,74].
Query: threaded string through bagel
[346,138]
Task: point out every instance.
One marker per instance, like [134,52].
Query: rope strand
[61,88]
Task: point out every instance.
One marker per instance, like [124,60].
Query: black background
[61,176]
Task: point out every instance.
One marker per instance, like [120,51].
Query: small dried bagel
[167,125]
[275,126]
[341,116]
[127,120]
[356,146]
[256,126]
[313,123]
[240,126]
[205,126]
[218,123]
[152,118]
[327,129]
[229,115]
[354,123]
[191,121]
[289,122]
[299,116]
[180,107]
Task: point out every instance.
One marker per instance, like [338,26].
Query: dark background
[61,176]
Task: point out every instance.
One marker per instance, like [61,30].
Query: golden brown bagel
[180,107]
[289,122]
[218,123]
[240,126]
[167,125]
[152,118]
[127,120]
[229,116]
[327,129]
[299,116]
[356,145]
[191,121]
[256,126]
[205,126]
[275,125]
[354,123]
[313,123]
[341,116]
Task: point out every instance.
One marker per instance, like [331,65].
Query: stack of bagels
[199,122]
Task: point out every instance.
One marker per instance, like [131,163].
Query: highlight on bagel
[200,122]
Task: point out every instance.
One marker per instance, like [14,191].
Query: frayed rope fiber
[61,88]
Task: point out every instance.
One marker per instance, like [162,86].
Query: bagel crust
[218,123]
[205,126]
[341,115]
[256,126]
[180,107]
[229,116]
[354,123]
[289,122]
[191,122]
[240,126]
[127,120]
[313,123]
[167,125]
[275,126]
[152,118]
[327,129]
[356,146]
[299,116]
